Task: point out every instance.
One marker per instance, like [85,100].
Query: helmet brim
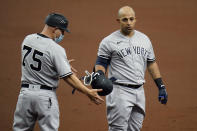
[67,30]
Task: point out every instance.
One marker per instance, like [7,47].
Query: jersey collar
[42,35]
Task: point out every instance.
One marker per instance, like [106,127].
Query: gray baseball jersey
[128,61]
[128,56]
[47,61]
[43,63]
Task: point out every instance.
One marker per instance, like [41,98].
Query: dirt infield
[171,25]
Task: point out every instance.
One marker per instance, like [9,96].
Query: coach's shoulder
[56,46]
[30,36]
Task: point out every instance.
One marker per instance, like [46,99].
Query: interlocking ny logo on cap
[62,21]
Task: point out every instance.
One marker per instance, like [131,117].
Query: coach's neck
[48,31]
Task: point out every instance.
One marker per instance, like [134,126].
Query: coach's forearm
[153,69]
[99,67]
[73,81]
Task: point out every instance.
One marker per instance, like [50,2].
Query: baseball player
[127,52]
[44,62]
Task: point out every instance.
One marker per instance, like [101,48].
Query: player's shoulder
[113,37]
[143,38]
[141,34]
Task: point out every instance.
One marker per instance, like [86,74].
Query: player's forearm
[153,69]
[73,81]
[99,67]
[155,73]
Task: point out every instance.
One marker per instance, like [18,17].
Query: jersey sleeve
[61,62]
[104,50]
[151,54]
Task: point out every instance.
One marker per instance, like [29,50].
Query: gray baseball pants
[36,104]
[125,108]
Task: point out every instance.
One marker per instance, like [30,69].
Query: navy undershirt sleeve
[102,61]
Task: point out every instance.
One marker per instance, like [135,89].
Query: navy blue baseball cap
[57,20]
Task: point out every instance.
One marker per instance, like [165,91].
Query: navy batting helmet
[99,81]
[57,20]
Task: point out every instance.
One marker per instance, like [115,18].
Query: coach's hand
[94,97]
[163,96]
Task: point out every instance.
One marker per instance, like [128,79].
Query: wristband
[159,83]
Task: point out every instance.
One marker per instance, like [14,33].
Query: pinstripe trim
[67,74]
[105,57]
[150,59]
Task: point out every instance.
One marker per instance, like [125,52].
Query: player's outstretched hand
[163,96]
[94,97]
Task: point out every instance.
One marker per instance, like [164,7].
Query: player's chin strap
[87,80]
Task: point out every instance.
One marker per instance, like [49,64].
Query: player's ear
[118,20]
[53,30]
[135,19]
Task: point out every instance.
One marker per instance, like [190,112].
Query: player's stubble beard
[127,31]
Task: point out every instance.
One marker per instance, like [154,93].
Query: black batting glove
[163,96]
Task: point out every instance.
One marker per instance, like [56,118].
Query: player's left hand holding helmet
[98,81]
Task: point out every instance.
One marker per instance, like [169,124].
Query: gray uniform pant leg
[122,112]
[32,105]
[24,119]
[136,119]
[48,112]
